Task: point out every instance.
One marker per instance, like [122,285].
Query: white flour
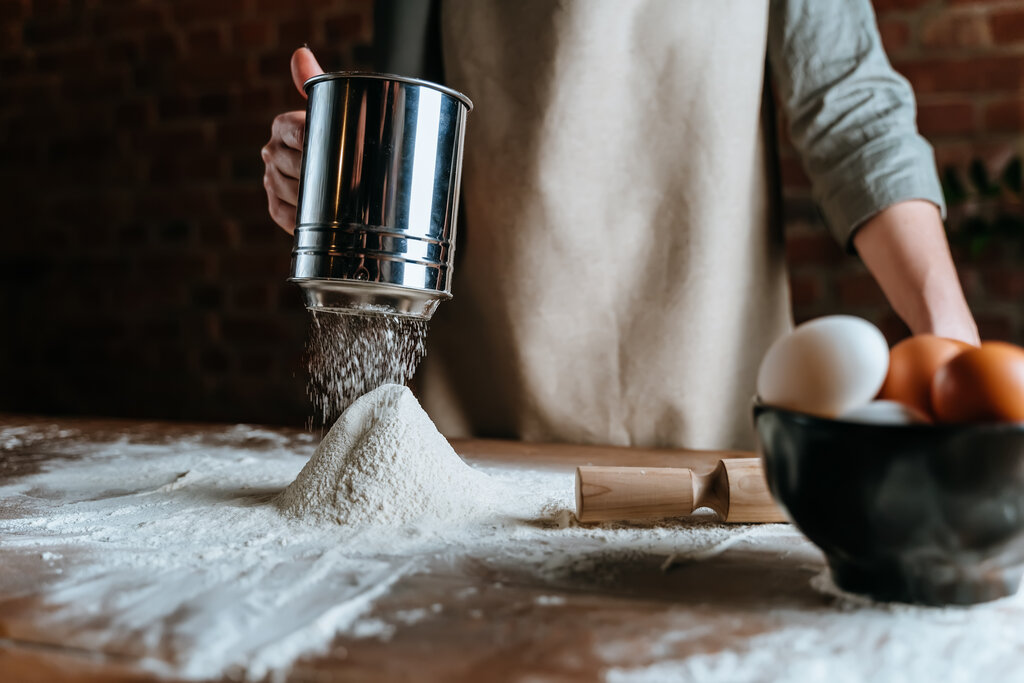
[210,557]
[233,552]
[384,463]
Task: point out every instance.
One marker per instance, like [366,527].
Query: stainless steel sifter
[378,193]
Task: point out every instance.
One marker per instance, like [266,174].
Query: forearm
[905,248]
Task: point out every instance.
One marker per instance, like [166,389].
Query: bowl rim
[947,428]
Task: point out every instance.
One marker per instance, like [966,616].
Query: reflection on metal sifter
[378,194]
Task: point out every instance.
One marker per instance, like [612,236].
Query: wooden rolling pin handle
[605,494]
[735,489]
[747,498]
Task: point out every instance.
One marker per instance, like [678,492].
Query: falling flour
[384,463]
[349,355]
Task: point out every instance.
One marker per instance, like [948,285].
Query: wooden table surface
[511,625]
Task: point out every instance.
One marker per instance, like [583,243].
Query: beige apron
[620,276]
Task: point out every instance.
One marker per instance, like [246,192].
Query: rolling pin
[735,489]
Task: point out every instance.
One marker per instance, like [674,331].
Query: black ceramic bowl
[930,514]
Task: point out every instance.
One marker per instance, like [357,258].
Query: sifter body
[378,194]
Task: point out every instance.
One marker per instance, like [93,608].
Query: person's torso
[620,275]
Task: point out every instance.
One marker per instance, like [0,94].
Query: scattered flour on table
[235,553]
[384,463]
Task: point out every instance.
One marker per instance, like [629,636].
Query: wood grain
[485,619]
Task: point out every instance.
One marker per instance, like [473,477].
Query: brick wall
[965,59]
[141,275]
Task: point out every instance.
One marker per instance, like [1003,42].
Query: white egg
[886,413]
[826,366]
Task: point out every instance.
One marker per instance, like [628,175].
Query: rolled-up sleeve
[851,116]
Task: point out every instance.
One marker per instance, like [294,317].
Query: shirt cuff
[880,174]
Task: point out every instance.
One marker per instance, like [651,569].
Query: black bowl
[928,514]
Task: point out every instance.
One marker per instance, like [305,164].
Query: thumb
[304,67]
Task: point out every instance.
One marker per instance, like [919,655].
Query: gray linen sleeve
[851,116]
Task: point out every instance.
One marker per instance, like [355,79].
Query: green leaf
[978,175]
[978,244]
[1008,225]
[1013,176]
[952,186]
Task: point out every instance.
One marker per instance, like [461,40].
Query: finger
[304,67]
[287,160]
[289,128]
[286,189]
[282,213]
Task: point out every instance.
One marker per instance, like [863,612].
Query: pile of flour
[383,464]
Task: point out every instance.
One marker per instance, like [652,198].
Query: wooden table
[509,626]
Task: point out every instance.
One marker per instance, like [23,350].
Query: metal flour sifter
[378,194]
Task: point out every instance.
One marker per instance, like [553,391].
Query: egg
[886,413]
[912,365]
[984,384]
[825,367]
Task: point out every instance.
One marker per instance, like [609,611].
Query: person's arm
[852,120]
[904,246]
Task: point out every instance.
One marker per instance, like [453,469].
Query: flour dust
[349,355]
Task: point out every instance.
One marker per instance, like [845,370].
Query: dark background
[142,277]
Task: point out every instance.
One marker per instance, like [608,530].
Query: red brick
[259,99]
[970,279]
[172,141]
[882,6]
[956,30]
[172,107]
[859,289]
[344,28]
[73,59]
[134,115]
[122,50]
[892,327]
[994,326]
[793,174]
[125,20]
[1008,26]
[1006,285]
[250,135]
[945,119]
[1006,116]
[818,249]
[895,34]
[160,47]
[211,70]
[188,12]
[304,6]
[276,64]
[215,360]
[1000,73]
[256,265]
[205,41]
[255,330]
[253,34]
[257,362]
[251,297]
[12,10]
[297,32]
[52,29]
[805,290]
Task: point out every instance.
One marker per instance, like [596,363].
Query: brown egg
[912,365]
[981,385]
